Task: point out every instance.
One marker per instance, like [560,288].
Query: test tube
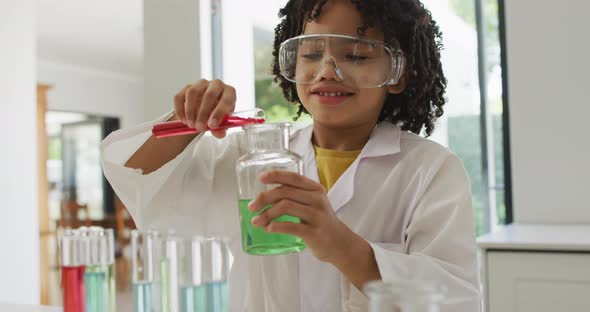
[107,260]
[173,250]
[165,278]
[236,119]
[72,272]
[95,243]
[201,267]
[147,249]
[111,275]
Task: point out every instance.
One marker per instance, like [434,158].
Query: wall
[91,91]
[19,228]
[238,50]
[171,51]
[548,68]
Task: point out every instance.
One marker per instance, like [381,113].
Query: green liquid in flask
[256,241]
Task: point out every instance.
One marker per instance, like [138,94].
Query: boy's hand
[205,103]
[327,237]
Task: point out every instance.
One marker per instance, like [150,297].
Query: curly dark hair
[406,21]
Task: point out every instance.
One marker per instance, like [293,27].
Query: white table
[536,268]
[27,308]
[538,237]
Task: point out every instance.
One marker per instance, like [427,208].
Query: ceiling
[105,35]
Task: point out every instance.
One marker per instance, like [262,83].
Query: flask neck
[268,137]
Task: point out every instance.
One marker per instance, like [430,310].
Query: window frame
[490,187]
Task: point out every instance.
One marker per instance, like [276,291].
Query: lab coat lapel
[301,144]
[384,140]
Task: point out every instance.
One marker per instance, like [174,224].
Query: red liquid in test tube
[238,119]
[73,264]
[72,281]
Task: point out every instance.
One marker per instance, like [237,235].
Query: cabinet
[536,268]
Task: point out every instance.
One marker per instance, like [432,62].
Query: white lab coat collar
[384,140]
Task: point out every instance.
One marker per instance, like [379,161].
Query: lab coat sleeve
[160,199]
[439,243]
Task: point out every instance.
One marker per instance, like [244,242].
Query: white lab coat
[407,196]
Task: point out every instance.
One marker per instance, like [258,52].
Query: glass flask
[404,296]
[268,149]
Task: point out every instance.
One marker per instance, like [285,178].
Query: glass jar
[404,296]
[268,149]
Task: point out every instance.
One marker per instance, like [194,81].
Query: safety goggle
[362,63]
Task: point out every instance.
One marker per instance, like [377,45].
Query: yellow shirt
[332,164]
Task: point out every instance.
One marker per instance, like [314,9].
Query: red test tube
[72,272]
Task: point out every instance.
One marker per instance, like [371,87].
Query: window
[474,118]
[475,112]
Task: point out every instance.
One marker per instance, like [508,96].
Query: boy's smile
[330,93]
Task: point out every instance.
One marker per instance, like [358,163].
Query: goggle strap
[399,67]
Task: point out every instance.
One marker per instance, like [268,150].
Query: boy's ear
[399,87]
